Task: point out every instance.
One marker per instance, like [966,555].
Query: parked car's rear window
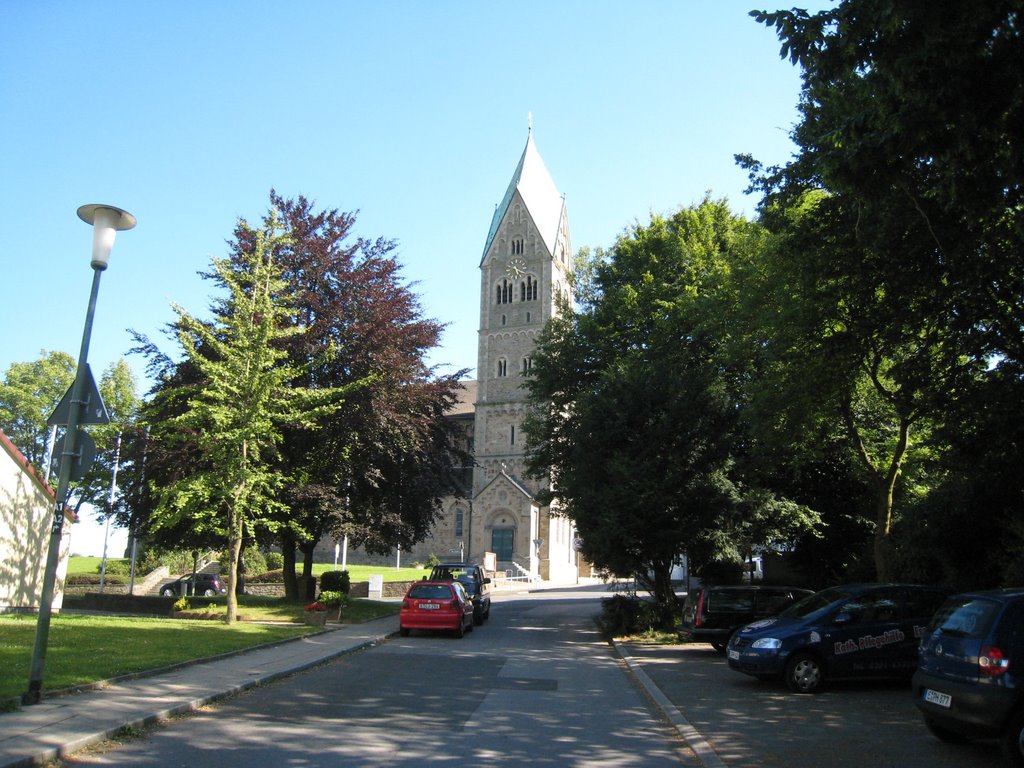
[431,592]
[729,600]
[814,603]
[773,601]
[965,617]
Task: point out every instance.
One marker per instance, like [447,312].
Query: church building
[524,268]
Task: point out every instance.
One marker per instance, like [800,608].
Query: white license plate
[938,697]
[734,655]
[429,606]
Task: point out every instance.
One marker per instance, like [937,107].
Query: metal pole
[110,514]
[49,453]
[35,681]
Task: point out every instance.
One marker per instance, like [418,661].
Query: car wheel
[403,631]
[719,645]
[1013,738]
[944,734]
[804,673]
[210,593]
[461,631]
[168,592]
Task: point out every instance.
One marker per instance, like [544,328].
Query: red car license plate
[429,606]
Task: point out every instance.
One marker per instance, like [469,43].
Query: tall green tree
[29,393]
[244,397]
[633,415]
[909,178]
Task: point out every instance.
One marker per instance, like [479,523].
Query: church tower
[523,272]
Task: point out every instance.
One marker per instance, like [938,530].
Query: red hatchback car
[436,605]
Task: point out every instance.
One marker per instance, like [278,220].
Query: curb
[691,736]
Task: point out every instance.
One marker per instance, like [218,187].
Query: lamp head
[106,220]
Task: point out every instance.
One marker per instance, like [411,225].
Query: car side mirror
[487,580]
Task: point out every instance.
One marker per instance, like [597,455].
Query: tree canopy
[899,223]
[634,415]
[246,394]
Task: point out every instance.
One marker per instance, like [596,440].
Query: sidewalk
[65,724]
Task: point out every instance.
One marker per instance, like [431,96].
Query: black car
[969,681]
[473,579]
[712,614]
[851,631]
[206,584]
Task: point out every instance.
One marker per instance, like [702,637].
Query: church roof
[542,199]
[466,402]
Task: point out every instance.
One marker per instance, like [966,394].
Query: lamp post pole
[106,221]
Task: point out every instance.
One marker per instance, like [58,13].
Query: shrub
[93,579]
[275,561]
[336,581]
[116,567]
[433,560]
[253,561]
[269,577]
[181,604]
[333,599]
[626,615]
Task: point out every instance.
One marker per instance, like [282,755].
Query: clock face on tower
[516,267]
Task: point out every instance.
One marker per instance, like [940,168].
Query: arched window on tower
[527,366]
[502,369]
[517,246]
[504,292]
[528,289]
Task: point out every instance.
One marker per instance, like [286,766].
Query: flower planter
[316,618]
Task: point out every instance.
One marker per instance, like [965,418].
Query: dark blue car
[852,631]
[970,677]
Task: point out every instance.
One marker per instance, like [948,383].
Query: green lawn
[82,564]
[84,649]
[91,565]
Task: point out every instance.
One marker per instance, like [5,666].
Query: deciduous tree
[246,394]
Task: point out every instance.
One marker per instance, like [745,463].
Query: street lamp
[106,221]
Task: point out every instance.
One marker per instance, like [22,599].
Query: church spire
[543,200]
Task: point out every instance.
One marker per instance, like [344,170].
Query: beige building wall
[26,515]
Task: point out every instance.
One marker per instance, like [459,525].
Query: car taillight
[698,618]
[455,604]
[992,662]
[406,603]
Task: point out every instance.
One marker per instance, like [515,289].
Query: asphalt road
[534,686]
[748,722]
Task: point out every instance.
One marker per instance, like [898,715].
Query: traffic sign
[81,460]
[93,411]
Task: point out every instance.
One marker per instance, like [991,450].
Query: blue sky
[414,113]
